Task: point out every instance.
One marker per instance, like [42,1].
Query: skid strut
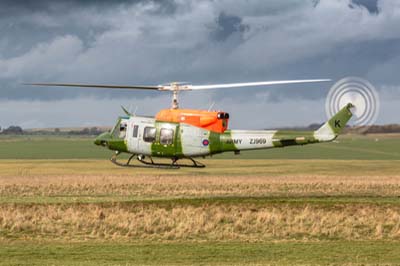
[151,164]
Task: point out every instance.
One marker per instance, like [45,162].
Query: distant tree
[94,131]
[85,131]
[377,129]
[57,130]
[13,130]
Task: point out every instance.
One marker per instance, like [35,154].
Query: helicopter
[187,134]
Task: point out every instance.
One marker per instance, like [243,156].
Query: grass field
[373,147]
[63,203]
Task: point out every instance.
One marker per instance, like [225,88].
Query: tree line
[391,128]
[17,130]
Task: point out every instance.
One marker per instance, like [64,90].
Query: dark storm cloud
[371,5]
[227,25]
[12,7]
[27,25]
[27,22]
[130,42]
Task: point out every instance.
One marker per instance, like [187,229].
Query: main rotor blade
[96,86]
[253,84]
[181,87]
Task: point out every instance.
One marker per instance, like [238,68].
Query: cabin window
[135,131]
[149,134]
[166,136]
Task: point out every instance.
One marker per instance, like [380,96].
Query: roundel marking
[206,142]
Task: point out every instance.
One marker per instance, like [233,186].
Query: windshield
[119,130]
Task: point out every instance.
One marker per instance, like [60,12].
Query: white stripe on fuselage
[250,140]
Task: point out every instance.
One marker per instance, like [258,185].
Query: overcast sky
[202,42]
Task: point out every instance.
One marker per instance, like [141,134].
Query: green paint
[227,143]
[102,138]
[117,145]
[170,150]
[215,143]
[338,122]
[284,138]
[221,142]
[111,139]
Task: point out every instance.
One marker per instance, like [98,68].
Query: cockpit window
[166,136]
[149,134]
[122,130]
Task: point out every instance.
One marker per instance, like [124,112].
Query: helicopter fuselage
[147,136]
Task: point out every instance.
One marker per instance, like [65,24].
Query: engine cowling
[216,121]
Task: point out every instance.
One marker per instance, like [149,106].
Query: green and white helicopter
[179,134]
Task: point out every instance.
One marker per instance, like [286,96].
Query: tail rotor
[361,94]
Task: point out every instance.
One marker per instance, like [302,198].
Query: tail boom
[237,140]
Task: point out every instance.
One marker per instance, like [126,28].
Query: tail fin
[331,129]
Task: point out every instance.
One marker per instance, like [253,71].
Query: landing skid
[151,164]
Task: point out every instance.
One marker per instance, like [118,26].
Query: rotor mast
[175,89]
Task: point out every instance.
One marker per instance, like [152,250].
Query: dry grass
[173,220]
[215,167]
[156,187]
[292,178]
[244,222]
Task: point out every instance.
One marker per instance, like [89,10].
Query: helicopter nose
[97,141]
[102,139]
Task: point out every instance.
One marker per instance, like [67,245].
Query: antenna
[134,113]
[211,106]
[126,111]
